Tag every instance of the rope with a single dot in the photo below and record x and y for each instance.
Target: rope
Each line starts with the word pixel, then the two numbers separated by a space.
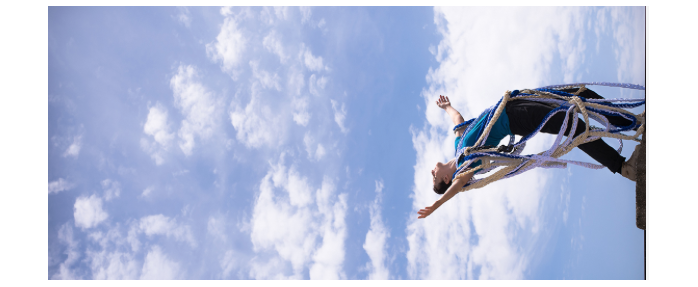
pixel 513 163
pixel 575 85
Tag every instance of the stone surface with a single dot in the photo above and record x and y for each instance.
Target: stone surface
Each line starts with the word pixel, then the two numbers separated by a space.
pixel 640 188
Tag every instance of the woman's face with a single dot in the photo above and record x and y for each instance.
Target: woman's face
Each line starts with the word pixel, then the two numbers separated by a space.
pixel 439 173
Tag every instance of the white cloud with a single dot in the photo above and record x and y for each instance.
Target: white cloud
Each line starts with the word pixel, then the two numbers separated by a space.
pixel 230 261
pixel 113 265
pixel 180 172
pixel 157 126
pixel 264 77
pixel 477 64
pixel 147 191
pixel 571 46
pixel 312 62
pixel 271 269
pixel 299 191
pixel 329 258
pixel 74 148
pixel 280 226
pixel 295 82
pixel 197 104
pixel 88 211
pixel 109 258
pixel 273 44
pixel 340 114
pixel 59 185
pixel 272 100
pixel 565 193
pixel 267 16
pixel 132 237
pixel 65 235
pixel 151 148
pixel 158 266
pixel 257 124
pixel 324 196
pixel 216 227
pixel 226 11
pixel 263 120
pixel 316 151
pixel 306 13
pixel 301 115
pixel 316 85
pixel 272 108
pixel 184 16
pixel 628 31
pixel 375 240
pixel 320 151
pixel 162 225
pixel 112 189
pixel 271 15
pixel 287 227
pixel 281 12
pixel 229 45
pixel 600 27
pixel 111 262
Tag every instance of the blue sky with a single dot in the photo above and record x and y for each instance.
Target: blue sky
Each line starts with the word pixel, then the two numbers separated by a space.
pixel 255 143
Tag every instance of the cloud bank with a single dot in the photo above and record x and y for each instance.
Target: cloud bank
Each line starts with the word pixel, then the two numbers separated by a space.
pixel 257 92
pixel 375 243
pixel 298 227
pixel 196 103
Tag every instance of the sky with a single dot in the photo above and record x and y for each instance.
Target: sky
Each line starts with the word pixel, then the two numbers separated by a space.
pixel 297 143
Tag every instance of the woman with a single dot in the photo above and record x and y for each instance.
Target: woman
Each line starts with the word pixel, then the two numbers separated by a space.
pixel 522 117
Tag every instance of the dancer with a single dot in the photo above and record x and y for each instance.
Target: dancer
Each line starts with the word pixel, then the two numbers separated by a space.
pixel 522 117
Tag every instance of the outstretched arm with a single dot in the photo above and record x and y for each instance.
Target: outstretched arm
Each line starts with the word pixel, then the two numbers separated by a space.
pixel 450 192
pixel 445 104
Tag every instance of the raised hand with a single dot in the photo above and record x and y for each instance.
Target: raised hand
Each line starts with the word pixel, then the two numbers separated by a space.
pixel 424 212
pixel 443 102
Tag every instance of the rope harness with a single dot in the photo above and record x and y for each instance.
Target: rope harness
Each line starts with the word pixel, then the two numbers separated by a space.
pixel 508 157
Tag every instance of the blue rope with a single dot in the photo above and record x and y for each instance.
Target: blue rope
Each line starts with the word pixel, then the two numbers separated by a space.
pixel 463 124
pixel 559 93
pixel 618 85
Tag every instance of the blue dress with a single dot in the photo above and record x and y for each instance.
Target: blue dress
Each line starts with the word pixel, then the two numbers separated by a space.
pixel 499 130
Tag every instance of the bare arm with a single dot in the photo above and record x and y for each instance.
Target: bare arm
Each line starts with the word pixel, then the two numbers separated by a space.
pixel 452 191
pixel 456 117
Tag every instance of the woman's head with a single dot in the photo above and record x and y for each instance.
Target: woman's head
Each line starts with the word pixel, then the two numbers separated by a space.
pixel 441 178
pixel 441 187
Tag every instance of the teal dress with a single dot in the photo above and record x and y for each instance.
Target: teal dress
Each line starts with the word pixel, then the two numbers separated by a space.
pixel 500 130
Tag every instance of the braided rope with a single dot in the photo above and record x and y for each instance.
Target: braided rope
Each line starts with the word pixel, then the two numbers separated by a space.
pixel 572 104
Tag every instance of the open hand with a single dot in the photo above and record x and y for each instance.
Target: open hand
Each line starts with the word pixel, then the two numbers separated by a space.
pixel 424 212
pixel 443 102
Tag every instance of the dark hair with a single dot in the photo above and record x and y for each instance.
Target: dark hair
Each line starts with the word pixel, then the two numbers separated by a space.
pixel 441 186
